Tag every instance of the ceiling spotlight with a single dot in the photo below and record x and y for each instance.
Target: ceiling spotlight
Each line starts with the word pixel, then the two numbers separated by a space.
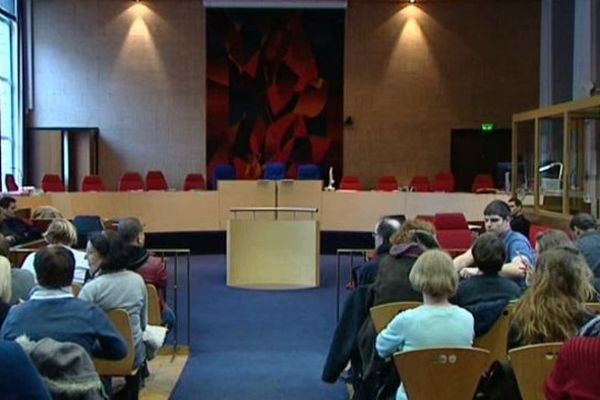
pixel 412 1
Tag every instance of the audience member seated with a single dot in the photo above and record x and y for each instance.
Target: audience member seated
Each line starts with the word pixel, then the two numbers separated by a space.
pixel 551 239
pixel 584 226
pixel 354 337
pixel 46 212
pixel 115 287
pixel 548 239
pixel 519 253
pixel 392 280
pixel 21 281
pixel 436 323
pixel 53 312
pixel 385 228
pixel 5 288
pixel 61 232
pixel 151 268
pixel 489 254
pixel 518 222
pixel 15 229
pixel 553 307
pixel 19 380
pixel 575 374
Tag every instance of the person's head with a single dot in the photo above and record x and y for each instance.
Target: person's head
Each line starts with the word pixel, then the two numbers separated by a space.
pixel 416 231
pixel 131 231
pixel 5 280
pixel 552 239
pixel 489 253
pixel 582 222
pixel 106 251
pixel 54 267
pixel 515 205
pixel 61 231
pixel 46 212
pixel 4 246
pixel 8 206
pixel 434 274
pixel 384 230
pixel 551 309
pixel 496 217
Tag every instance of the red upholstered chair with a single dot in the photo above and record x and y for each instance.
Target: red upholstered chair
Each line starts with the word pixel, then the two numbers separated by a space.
pixel 387 183
pixel 131 181
pixel 350 182
pixel 194 182
pixel 455 241
pixel 11 184
pixel 449 221
pixel 155 180
pixel 420 184
pixel 483 183
pixel 92 183
pixel 52 183
pixel 444 182
pixel 534 232
pixel 452 232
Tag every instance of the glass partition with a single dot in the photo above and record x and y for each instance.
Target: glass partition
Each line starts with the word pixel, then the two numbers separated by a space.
pixel 550 166
pixel 526 161
pixel 556 149
pixel 583 163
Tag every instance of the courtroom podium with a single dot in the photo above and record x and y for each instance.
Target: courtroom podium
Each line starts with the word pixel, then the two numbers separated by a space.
pixel 278 253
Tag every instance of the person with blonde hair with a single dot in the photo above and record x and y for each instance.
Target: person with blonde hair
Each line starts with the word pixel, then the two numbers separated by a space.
pixel 354 337
pixel 21 281
pixel 46 212
pixel 553 308
pixel 437 323
pixel 62 232
pixel 5 288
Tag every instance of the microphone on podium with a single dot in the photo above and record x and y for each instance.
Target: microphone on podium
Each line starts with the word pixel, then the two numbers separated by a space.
pixel 330 187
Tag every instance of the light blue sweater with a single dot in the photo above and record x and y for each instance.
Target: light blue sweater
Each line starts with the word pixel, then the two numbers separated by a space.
pixel 424 327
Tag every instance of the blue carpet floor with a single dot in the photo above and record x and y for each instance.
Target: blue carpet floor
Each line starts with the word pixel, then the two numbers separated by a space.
pixel 252 345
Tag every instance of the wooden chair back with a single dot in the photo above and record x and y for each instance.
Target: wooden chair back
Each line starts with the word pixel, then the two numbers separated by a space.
pixel 154 315
pixel 495 340
pixel 123 367
pixel 532 365
pixel 383 314
pixel 450 373
pixel 593 307
pixel 75 288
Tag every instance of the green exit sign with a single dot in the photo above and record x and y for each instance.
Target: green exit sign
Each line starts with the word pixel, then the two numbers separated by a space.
pixel 487 127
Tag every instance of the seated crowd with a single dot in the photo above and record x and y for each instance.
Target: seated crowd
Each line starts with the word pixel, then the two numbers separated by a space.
pixel 545 290
pixel 39 311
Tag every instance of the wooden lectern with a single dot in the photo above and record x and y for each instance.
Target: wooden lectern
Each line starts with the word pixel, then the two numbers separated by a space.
pixel 273 254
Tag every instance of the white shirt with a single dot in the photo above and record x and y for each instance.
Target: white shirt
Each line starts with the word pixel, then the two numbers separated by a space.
pixel 81 265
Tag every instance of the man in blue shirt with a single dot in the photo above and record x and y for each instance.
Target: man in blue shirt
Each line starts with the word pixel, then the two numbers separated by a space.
pixel 53 312
pixel 584 226
pixel 519 254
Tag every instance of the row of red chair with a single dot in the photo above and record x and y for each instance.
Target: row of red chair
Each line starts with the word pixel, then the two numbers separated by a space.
pixel 130 181
pixel 451 230
pixel 444 182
